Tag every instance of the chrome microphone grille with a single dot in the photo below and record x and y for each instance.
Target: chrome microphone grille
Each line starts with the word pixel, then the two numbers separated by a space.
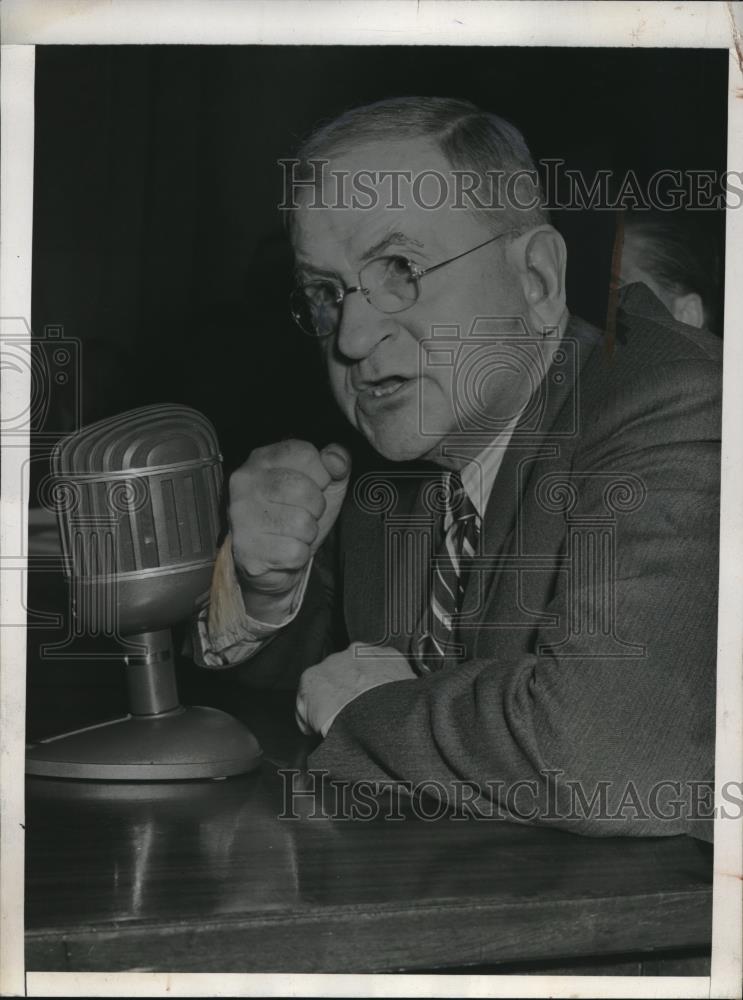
pixel 149 480
pixel 137 500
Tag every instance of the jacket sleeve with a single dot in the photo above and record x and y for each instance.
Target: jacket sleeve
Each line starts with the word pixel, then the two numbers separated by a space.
pixel 596 746
pixel 268 656
pixel 223 633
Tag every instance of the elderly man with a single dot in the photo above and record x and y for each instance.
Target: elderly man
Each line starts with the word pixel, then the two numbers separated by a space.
pixel 522 592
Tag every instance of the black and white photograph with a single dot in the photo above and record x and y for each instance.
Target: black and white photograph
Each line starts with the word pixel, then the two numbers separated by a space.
pixel 371 526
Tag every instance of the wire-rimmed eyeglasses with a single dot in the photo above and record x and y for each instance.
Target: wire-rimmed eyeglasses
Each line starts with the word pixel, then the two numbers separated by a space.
pixel 390 284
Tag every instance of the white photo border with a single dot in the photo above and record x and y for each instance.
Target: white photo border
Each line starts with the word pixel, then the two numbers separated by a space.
pixel 27 23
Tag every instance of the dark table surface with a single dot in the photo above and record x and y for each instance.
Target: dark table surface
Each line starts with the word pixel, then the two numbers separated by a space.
pixel 207 876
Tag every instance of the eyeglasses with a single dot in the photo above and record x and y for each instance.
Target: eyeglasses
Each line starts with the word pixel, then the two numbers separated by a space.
pixel 390 284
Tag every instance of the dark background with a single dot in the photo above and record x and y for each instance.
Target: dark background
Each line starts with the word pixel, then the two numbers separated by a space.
pixel 158 244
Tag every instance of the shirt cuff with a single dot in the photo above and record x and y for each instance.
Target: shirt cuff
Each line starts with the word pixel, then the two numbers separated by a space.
pixel 226 633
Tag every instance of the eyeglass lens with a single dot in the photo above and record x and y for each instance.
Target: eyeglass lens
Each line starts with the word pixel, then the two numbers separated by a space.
pixel 388 284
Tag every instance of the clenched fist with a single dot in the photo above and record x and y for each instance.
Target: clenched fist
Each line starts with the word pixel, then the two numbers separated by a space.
pixel 283 502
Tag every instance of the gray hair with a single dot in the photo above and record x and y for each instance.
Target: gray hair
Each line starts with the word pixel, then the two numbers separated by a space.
pixel 471 139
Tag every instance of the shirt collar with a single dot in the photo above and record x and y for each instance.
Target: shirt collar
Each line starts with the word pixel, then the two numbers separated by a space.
pixel 479 475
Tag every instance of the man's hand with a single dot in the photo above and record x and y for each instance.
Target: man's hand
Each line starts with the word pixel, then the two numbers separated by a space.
pixel 283 502
pixel 330 685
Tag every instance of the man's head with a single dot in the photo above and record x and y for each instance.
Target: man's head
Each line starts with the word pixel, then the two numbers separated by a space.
pixel 394 187
pixel 678 258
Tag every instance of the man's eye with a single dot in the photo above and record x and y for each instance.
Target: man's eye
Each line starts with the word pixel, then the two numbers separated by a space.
pixel 393 272
pixel 398 267
pixel 321 293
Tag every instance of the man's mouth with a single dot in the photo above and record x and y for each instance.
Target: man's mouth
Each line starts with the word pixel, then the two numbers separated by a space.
pixel 386 386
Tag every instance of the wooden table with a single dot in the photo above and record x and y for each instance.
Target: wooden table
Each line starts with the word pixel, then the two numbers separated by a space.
pixel 205 876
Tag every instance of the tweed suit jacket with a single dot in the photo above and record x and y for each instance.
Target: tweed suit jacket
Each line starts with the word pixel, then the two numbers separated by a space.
pixel 589 619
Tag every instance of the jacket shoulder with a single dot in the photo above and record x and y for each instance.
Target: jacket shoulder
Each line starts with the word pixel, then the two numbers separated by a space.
pixel 656 367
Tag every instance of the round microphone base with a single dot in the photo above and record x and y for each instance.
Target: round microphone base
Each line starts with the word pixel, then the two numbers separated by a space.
pixel 183 744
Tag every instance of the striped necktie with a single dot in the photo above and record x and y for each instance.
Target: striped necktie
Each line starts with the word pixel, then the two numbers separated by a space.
pixel 448 579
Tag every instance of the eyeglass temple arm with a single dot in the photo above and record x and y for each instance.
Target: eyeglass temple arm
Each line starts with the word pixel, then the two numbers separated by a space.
pixel 341 292
pixel 451 260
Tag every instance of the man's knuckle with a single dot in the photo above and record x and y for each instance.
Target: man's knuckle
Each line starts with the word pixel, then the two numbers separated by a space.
pixel 295 451
pixel 305 493
pixel 252 565
pixel 238 480
pixel 260 457
pixel 306 526
pixel 303 449
pixel 322 503
pixel 295 553
pixel 275 483
pixel 292 486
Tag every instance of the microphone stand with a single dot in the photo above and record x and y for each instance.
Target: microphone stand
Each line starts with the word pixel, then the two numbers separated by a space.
pixel 136 497
pixel 159 740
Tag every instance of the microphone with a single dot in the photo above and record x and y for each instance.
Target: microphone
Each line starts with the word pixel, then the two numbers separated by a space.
pixel 137 503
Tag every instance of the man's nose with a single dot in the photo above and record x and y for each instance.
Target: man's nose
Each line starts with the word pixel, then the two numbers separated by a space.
pixel 362 327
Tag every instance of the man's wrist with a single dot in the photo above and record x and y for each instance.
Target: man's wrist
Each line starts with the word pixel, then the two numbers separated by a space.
pixel 236 611
pixel 273 609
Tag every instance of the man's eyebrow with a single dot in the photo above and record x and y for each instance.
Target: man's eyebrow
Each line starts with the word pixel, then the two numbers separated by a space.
pixel 391 239
pixel 302 267
pixel 396 238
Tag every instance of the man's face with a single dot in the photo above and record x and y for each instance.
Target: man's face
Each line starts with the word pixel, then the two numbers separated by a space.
pixel 376 364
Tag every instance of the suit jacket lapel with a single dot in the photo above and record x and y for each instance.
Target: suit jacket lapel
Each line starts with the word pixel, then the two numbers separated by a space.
pixel 536 434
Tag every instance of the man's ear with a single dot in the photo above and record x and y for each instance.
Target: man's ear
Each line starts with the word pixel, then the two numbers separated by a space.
pixel 688 309
pixel 540 258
